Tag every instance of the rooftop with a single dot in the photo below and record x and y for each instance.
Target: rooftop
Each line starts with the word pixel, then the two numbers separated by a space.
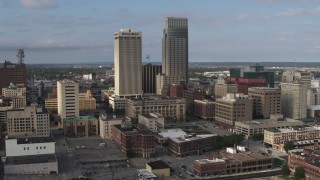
pixel 209 161
pixel 191 138
pixel 158 165
pixel 79 118
pixel 172 133
pixel 245 156
pixel 145 173
pixel 35 140
pixel 294 129
pixel 30 159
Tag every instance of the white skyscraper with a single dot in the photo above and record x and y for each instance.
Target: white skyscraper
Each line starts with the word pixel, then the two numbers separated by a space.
pixel 127 63
pixel 68 98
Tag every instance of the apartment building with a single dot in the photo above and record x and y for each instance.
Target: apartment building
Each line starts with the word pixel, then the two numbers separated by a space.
pixel 106 123
pixel 80 126
pixel 68 99
pixel 17 93
pixel 266 101
pixel 294 100
pixel 232 108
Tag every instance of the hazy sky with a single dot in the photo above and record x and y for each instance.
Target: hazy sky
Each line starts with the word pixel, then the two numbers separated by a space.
pixel 66 31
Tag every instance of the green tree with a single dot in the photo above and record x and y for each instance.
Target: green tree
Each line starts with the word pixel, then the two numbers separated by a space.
pixel 285 171
pixel 257 137
pixel 288 146
pixel 299 173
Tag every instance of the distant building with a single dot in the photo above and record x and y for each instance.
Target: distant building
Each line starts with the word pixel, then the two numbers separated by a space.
pixel 17 93
pixel 86 101
pixel 307 159
pixel 159 168
pixel 250 128
pixel 222 90
pixel 176 90
pixel 29 121
pixel 68 99
pixel 190 95
pixel 52 104
pixel 117 103
pixel 153 121
pixel 149 74
pixel 30 156
pixel 300 135
pixel 12 73
pixel 191 144
pixel 173 109
pixel 294 100
pixel 106 123
pixel 127 63
pixel 134 141
pixel 80 126
pixel 266 101
pixel 293 76
pixel 244 83
pixel 232 108
pixel 5 105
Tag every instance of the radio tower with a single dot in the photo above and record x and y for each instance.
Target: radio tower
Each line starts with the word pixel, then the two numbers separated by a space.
pixel 21 56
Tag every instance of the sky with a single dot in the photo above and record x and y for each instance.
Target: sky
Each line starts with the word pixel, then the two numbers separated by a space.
pixel 74 31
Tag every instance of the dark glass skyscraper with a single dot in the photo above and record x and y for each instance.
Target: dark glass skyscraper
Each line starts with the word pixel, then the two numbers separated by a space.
pixel 175 56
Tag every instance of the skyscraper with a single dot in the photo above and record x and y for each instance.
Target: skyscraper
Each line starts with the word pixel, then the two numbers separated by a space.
pixel 149 73
pixel 68 99
pixel 174 52
pixel 127 63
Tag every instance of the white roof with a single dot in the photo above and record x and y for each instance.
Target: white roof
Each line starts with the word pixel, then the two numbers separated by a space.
pixel 172 133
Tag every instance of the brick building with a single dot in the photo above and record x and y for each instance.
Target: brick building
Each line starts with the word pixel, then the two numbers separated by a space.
pixel 244 83
pixel 204 109
pixel 80 126
pixel 140 142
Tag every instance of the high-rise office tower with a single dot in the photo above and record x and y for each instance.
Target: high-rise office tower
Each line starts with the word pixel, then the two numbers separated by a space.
pixel 294 100
pixel 68 99
pixel 174 52
pixel 149 73
pixel 127 63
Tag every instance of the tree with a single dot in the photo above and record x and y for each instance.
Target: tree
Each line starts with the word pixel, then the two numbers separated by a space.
pixel 285 171
pixel 257 137
pixel 299 173
pixel 288 146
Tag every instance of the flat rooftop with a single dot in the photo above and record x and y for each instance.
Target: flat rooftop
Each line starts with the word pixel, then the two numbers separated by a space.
pixel 268 121
pixel 158 165
pixel 246 156
pixel 191 138
pixel 294 129
pixel 209 161
pixel 34 159
pixel 172 133
pixel 79 118
pixel 145 173
pixel 31 140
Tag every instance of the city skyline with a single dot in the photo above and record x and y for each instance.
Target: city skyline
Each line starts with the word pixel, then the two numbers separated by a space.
pixel 56 31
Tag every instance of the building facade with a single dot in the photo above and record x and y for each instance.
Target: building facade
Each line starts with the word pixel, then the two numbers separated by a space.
pixel 266 101
pixel 80 126
pixel 17 93
pixel 173 109
pixel 68 99
pixel 134 141
pixel 294 100
pixel 191 144
pixel 204 109
pixel 175 52
pixel 127 63
pixel 86 101
pixel 106 123
pixel 153 121
pixel 29 121
pixel 232 108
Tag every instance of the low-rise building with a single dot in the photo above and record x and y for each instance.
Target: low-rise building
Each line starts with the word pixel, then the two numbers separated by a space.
pixel 34 155
pixel 86 101
pixel 308 159
pixel 159 168
pixel 52 104
pixel 107 122
pixel 28 121
pixel 173 109
pixel 300 135
pixel 153 121
pixel 233 161
pixel 249 128
pixel 191 144
pixel 17 94
pixel 134 141
pixel 80 126
pixel 144 174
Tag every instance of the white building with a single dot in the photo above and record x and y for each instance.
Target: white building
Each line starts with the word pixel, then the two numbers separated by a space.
pixel 153 121
pixel 128 63
pixel 106 123
pixel 117 103
pixel 17 94
pixel 30 156
pixel 68 98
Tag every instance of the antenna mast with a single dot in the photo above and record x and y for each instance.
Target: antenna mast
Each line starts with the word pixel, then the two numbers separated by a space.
pixel 21 56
